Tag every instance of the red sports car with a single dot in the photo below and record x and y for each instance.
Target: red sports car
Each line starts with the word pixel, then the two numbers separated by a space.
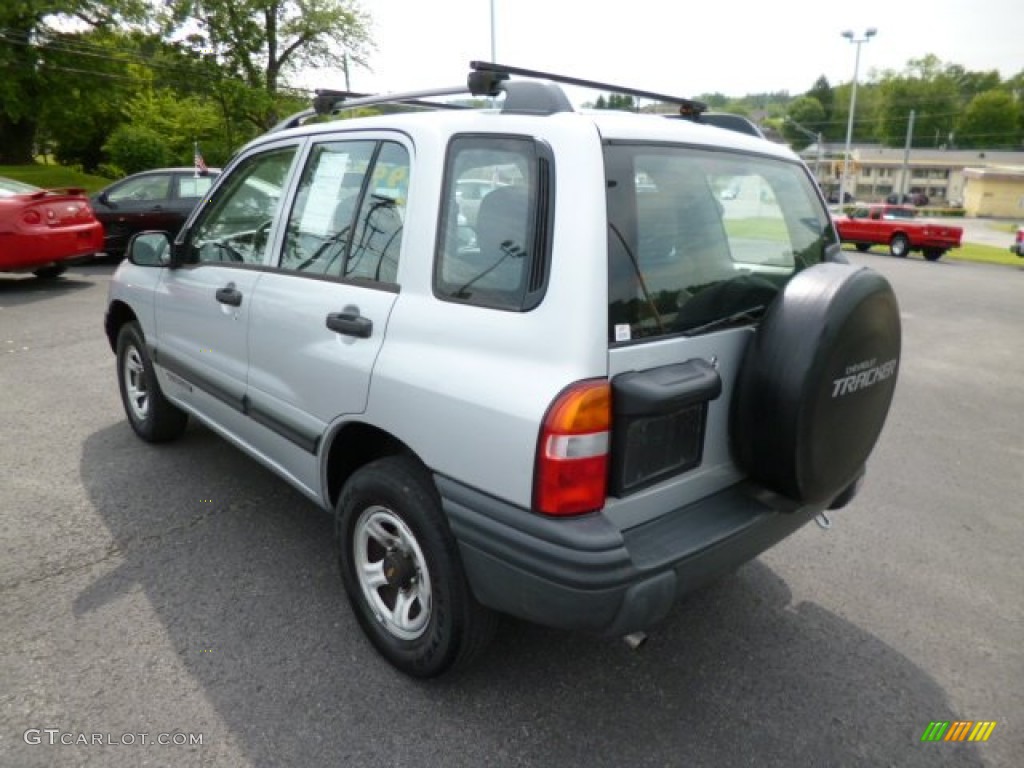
pixel 40 229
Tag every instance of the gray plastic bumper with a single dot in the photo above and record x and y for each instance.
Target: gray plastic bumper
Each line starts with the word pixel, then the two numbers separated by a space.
pixel 585 574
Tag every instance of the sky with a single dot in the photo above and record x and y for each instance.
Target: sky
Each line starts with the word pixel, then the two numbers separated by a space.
pixel 734 47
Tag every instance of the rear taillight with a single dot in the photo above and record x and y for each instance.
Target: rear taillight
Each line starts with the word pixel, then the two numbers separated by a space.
pixel 572 451
pixel 31 217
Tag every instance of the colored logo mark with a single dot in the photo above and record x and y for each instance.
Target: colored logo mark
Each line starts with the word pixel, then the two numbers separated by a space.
pixel 958 730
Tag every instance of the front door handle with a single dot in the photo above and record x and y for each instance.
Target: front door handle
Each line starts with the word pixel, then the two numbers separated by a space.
pixel 229 295
pixel 350 323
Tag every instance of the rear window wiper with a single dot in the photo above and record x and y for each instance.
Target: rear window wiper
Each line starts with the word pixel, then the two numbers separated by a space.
pixel 750 313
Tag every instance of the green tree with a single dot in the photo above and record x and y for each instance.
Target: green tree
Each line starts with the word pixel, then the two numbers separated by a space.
pixel 970 84
pixel 807 112
pixel 260 42
pixel 865 114
pixel 825 96
pixel 990 120
pixel 29 43
pixel 134 149
pixel 87 79
pixel 930 93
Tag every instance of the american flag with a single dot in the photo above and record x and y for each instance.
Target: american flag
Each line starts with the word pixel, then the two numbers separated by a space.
pixel 200 164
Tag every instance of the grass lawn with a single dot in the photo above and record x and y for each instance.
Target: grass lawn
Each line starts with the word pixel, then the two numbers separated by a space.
pixel 51 176
pixel 988 254
pixel 983 254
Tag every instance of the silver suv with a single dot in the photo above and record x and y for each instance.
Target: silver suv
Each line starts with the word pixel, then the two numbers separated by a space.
pixel 640 361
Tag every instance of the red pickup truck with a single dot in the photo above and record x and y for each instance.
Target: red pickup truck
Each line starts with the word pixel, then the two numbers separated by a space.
pixel 898 227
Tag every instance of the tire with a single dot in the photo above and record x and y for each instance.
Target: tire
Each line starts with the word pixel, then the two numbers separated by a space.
pixel 49 273
pixel 815 386
pixel 899 246
pixel 402 572
pixel 151 415
pixel 933 254
pixel 863 247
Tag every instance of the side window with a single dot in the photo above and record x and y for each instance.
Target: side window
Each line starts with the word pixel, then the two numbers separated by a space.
pixel 142 188
pixel 194 186
pixel 235 225
pixel 349 210
pixel 377 237
pixel 493 240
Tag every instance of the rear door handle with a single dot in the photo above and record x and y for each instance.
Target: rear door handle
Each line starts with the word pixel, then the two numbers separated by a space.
pixel 229 295
pixel 350 323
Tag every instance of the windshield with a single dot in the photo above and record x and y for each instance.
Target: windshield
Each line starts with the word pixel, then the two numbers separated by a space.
pixel 701 239
pixel 10 188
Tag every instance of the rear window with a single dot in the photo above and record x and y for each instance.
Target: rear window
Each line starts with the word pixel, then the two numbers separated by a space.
pixel 700 239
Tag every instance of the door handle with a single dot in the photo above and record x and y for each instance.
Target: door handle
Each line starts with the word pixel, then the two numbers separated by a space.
pixel 229 295
pixel 350 324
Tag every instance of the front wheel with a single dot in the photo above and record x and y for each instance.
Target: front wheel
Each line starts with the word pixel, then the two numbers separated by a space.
pixel 863 247
pixel 899 246
pixel 402 572
pixel 933 254
pixel 151 415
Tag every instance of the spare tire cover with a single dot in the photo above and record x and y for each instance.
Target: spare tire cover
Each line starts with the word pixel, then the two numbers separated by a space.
pixel 816 383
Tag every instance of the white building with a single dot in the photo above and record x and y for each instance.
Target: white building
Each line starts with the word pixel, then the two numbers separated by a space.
pixel 877 171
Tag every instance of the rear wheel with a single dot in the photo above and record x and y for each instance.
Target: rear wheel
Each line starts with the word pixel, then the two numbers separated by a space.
pixel 933 254
pixel 899 246
pixel 49 273
pixel 863 247
pixel 402 572
pixel 151 415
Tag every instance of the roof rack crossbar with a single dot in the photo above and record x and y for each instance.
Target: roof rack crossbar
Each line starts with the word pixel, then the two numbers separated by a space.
pixel 325 104
pixel 691 106
pixel 328 101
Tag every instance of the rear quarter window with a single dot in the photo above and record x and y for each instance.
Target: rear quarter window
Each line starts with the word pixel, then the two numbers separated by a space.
pixel 494 235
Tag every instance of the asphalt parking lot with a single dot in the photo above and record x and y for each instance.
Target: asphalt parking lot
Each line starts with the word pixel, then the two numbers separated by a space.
pixel 183 591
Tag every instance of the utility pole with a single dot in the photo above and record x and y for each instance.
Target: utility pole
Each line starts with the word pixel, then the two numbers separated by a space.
pixel 906 158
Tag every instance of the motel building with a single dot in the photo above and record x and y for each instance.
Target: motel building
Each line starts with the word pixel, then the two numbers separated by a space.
pixel 984 182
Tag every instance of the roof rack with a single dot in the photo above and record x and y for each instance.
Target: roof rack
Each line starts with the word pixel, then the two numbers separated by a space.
pixel 328 102
pixel 489 78
pixel 521 97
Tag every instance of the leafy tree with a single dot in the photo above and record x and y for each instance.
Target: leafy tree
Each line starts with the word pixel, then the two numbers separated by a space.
pixel 825 96
pixel 807 112
pixel 933 97
pixel 970 84
pixel 868 97
pixel 990 120
pixel 135 149
pixel 260 42
pixel 619 101
pixel 29 31
pixel 86 78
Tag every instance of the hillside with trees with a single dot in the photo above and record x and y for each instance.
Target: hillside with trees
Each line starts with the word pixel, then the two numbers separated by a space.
pixel 112 86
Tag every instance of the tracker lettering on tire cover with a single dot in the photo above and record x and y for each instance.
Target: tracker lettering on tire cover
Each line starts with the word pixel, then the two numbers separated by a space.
pixel 817 381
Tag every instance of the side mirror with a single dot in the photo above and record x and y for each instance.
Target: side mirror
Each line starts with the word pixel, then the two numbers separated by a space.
pixel 104 198
pixel 150 249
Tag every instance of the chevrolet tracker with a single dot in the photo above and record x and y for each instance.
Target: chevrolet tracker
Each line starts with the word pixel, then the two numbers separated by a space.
pixel 532 359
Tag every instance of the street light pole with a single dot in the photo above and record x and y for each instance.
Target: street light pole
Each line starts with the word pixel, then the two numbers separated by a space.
pixel 848 34
pixel 494 52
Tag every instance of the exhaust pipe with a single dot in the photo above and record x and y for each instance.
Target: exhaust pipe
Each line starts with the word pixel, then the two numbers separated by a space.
pixel 635 639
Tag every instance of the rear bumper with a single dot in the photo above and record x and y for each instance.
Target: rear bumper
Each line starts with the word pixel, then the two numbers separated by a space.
pixel 943 243
pixel 29 251
pixel 585 574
